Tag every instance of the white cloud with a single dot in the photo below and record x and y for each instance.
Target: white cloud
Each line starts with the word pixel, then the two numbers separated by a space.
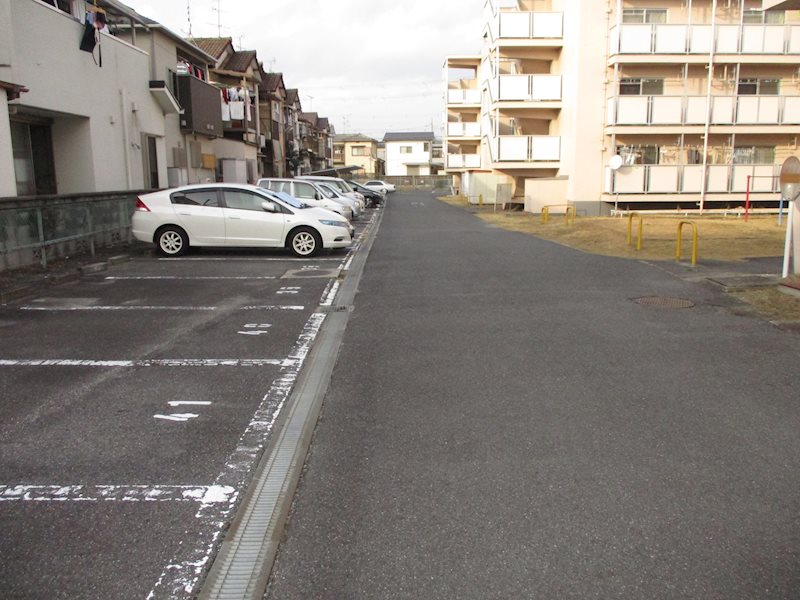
pixel 371 65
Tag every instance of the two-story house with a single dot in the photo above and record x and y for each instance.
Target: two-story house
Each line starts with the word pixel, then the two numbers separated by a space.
pixel 292 110
pixel 272 98
pixel 408 153
pixel 238 76
pixel 357 150
pixel 73 120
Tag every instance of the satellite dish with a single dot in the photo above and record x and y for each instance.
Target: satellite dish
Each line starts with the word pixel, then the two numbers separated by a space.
pixel 790 178
pixel 616 162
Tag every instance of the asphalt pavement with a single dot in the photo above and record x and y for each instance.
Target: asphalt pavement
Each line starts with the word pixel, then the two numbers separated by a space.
pixel 509 419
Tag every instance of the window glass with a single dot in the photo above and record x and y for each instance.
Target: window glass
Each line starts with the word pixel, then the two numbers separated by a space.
pixel 196 198
pixel 750 87
pixel 747 87
pixel 304 190
pixel 644 15
pixel 768 87
pixel 641 87
pixel 243 200
pixel 406 149
pixel 359 150
pixel 754 155
pixel 652 87
pixel 630 87
pixel 773 17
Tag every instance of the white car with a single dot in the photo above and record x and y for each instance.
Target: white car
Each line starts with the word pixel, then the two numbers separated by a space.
pixel 307 192
pixel 380 186
pixel 339 184
pixel 235 215
pixel 334 194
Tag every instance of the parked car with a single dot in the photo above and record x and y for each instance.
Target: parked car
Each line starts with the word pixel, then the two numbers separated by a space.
pixel 377 184
pixel 235 215
pixel 372 197
pixel 307 192
pixel 339 184
pixel 334 194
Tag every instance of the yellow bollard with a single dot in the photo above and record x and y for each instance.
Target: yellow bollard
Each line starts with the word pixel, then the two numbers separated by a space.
pixel 630 228
pixel 545 217
pixel 480 200
pixel 694 241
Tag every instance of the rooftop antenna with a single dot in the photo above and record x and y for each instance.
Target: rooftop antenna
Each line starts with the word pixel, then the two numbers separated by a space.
pixel 310 104
pixel 218 10
pixel 189 16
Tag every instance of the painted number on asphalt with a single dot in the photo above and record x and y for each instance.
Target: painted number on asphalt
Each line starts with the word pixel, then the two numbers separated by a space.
pixel 255 329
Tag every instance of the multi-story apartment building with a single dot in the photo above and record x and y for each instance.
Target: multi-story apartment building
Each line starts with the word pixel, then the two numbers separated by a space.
pixel 641 103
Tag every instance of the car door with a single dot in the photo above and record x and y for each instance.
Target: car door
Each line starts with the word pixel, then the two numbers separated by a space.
pixel 248 224
pixel 199 212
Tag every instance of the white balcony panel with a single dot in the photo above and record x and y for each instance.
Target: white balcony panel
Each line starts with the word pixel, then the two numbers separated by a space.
pixel 670 39
pixel 762 178
pixel 513 147
pixel 632 110
pixel 700 39
pixel 747 109
pixel 696 110
pixel 666 110
pixel 635 39
pixel 454 96
pixel 773 39
pixel 611 111
pixel 794 39
pixel 472 96
pixel 515 25
pixel 514 87
pixel 768 110
pixel 608 181
pixel 472 161
pixel 728 39
pixel 692 179
pixel 791 110
pixel 753 39
pixel 663 179
pixel 722 109
pixel 717 178
pixel 613 41
pixel 464 129
pixel 629 180
pixel 548 25
pixel 546 148
pixel 546 87
pixel 463 161
pixel 464 96
pixel 740 173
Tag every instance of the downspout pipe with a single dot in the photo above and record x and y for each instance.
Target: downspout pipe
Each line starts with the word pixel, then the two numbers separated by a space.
pixel 707 127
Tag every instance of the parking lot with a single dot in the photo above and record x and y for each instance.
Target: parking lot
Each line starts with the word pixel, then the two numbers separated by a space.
pixel 136 402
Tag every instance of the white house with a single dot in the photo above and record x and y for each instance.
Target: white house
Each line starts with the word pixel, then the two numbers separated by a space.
pixel 408 153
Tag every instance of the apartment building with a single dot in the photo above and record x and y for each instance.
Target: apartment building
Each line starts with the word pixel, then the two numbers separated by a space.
pixel 634 103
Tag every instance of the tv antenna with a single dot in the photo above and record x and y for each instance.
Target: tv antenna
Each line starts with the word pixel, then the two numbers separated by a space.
pixel 219 11
pixel 310 104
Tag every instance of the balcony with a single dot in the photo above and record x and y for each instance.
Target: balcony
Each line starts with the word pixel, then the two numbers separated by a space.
pixel 530 25
pixel 697 39
pixel 688 179
pixel 692 110
pixel 529 88
pixel 528 148
pixel 464 130
pixel 201 106
pixel 463 161
pixel 460 96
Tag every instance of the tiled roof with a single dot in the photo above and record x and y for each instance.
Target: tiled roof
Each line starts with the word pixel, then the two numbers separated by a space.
pixel 409 136
pixel 354 137
pixel 311 117
pixel 213 46
pixel 240 61
pixel 292 95
pixel 272 82
pixel 323 123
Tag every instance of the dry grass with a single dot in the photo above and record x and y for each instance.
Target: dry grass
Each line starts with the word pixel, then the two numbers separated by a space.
pixel 719 238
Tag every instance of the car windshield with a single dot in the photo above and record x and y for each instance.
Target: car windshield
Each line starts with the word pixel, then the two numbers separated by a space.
pixel 344 186
pixel 290 200
pixel 329 190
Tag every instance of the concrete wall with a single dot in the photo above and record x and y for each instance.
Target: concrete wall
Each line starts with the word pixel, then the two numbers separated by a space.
pixel 8 185
pixel 66 85
pixel 545 191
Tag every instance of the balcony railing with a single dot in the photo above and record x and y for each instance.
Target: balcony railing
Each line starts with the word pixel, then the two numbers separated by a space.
pixel 688 179
pixel 463 129
pixel 201 106
pixel 528 148
pixel 530 25
pixel 692 110
pixel 463 96
pixel 529 88
pixel 697 39
pixel 463 161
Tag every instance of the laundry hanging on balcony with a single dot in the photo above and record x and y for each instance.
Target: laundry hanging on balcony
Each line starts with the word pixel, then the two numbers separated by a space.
pixel 236 104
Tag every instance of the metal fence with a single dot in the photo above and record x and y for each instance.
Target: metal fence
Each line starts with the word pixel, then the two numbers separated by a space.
pixel 37 229
pixel 415 182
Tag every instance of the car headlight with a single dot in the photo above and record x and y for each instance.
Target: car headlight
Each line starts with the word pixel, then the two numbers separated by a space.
pixel 333 223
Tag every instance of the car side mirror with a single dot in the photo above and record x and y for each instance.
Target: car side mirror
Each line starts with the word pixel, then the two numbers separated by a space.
pixel 317 196
pixel 268 206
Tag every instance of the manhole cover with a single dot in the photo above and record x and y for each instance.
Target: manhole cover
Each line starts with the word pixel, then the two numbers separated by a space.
pixel 664 302
pixel 308 273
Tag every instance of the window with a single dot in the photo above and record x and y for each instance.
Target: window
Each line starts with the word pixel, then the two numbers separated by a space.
pixel 32 148
pixel 764 87
pixel 629 86
pixel 426 147
pixel 772 17
pixel 243 200
pixel 754 155
pixel 406 149
pixel 359 151
pixel 644 15
pixel 196 198
pixel 639 155
pixel 304 190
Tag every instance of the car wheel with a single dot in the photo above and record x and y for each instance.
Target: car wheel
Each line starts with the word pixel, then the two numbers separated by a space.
pixel 172 241
pixel 304 241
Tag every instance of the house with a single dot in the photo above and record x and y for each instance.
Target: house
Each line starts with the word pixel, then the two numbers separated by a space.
pixel 357 150
pixel 238 75
pixel 74 121
pixel 292 109
pixel 667 104
pixel 316 134
pixel 408 153
pixel 191 105
pixel 272 98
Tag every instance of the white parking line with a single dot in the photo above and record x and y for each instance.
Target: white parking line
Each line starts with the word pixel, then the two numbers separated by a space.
pixel 163 362
pixel 171 277
pixel 182 574
pixel 121 308
pixel 330 293
pixel 240 258
pixel 204 494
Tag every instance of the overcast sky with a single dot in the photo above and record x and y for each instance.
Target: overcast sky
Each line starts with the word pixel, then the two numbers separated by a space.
pixel 371 66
